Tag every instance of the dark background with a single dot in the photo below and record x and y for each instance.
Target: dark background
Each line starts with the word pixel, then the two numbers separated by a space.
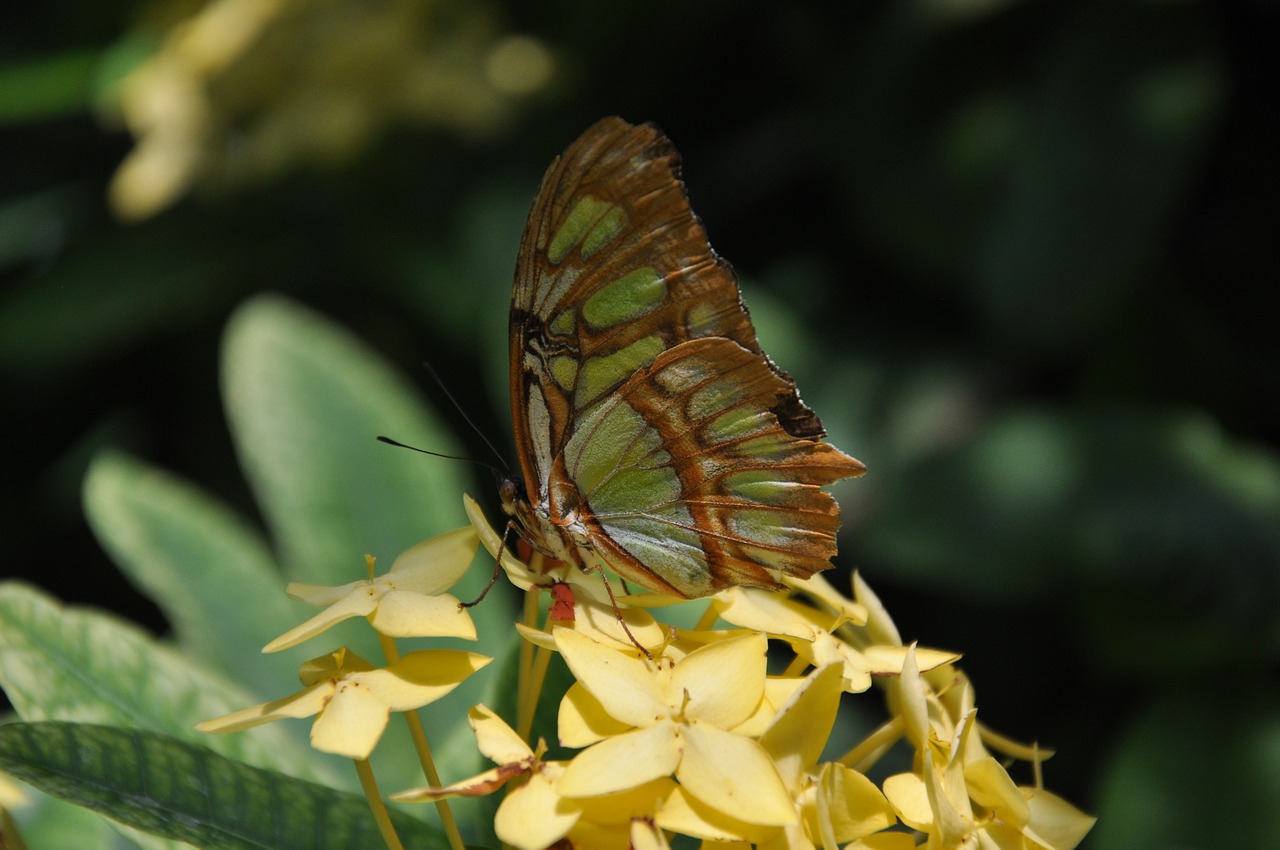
pixel 1014 254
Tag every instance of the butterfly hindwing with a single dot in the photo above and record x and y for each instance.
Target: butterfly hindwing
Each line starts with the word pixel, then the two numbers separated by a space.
pixel 693 483
pixel 633 361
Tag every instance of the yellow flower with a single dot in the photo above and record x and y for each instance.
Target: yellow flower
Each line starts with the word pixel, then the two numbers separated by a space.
pixel 834 804
pixel 407 601
pixel 534 815
pixel 959 795
pixel 242 90
pixel 812 633
pixel 354 701
pixel 643 720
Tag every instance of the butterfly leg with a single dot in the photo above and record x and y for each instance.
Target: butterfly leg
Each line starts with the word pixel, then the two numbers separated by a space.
pixel 617 612
pixel 497 565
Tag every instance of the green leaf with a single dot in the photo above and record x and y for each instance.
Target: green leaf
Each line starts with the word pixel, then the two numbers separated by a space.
pixel 1040 499
pixel 46 87
pixel 64 663
pixel 210 573
pixel 1039 193
pixel 1198 768
pixel 306 401
pixel 188 793
pixel 50 822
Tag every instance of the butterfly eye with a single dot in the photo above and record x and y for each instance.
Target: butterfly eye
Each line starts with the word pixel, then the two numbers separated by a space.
pixel 511 492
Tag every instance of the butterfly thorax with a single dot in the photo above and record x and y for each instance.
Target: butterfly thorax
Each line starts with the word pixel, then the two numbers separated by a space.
pixel 553 527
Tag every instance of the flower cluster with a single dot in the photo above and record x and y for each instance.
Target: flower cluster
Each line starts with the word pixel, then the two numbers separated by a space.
pixel 240 90
pixel 683 731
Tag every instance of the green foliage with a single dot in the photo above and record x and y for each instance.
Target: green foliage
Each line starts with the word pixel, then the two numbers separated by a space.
pixel 187 793
pixel 1014 255
pixel 221 587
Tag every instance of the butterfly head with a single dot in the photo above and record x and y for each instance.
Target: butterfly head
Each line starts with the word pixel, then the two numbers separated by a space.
pixel 512 493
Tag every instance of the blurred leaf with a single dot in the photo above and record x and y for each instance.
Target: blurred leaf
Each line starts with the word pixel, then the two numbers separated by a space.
pixel 187 793
pixel 1041 184
pixel 63 663
pixel 305 402
pixel 208 571
pixel 53 823
pixel 110 292
pixel 46 86
pixel 1039 500
pixel 1199 768
pixel 34 227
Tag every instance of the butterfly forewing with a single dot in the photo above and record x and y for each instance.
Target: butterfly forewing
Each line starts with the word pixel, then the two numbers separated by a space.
pixel 686 466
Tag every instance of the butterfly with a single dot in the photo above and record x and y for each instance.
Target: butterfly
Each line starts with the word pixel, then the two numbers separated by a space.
pixel 655 438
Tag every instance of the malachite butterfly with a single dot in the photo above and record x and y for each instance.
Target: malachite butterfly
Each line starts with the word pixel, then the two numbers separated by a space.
pixel 655 438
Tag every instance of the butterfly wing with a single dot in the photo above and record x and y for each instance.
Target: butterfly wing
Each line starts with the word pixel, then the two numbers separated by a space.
pixel 615 271
pixel 693 484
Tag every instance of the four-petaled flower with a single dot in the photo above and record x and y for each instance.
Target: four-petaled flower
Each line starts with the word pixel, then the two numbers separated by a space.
pixel 409 600
pixel 354 700
pixel 642 720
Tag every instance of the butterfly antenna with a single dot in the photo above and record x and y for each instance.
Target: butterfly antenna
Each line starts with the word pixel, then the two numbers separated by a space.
pixel 463 413
pixel 400 445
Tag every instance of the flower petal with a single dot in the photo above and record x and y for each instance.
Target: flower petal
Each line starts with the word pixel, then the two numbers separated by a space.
pixel 304 703
pixel 495 739
pixel 687 815
pixel 884 660
pixel 775 613
pixel 1055 822
pixel 880 627
pixel 322 595
pixel 989 785
pixel 433 566
pixel 517 571
pixel 817 587
pixel 534 816
pixel 405 613
pixel 800 730
pixel 628 687
pixel 358 601
pixel 621 808
pixel 421 677
pixel 850 806
pixel 582 720
pixel 909 797
pixel 599 620
pixel 645 836
pixel 623 762
pixel 351 723
pixel 734 775
pixel 480 785
pixel 911 703
pixel 724 680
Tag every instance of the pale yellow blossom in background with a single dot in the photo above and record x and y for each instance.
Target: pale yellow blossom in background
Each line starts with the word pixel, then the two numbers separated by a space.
pixel 240 91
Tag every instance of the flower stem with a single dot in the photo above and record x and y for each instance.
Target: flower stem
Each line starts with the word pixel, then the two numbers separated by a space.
pixel 525 678
pixel 708 618
pixel 872 747
pixel 379 808
pixel 537 676
pixel 419 736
